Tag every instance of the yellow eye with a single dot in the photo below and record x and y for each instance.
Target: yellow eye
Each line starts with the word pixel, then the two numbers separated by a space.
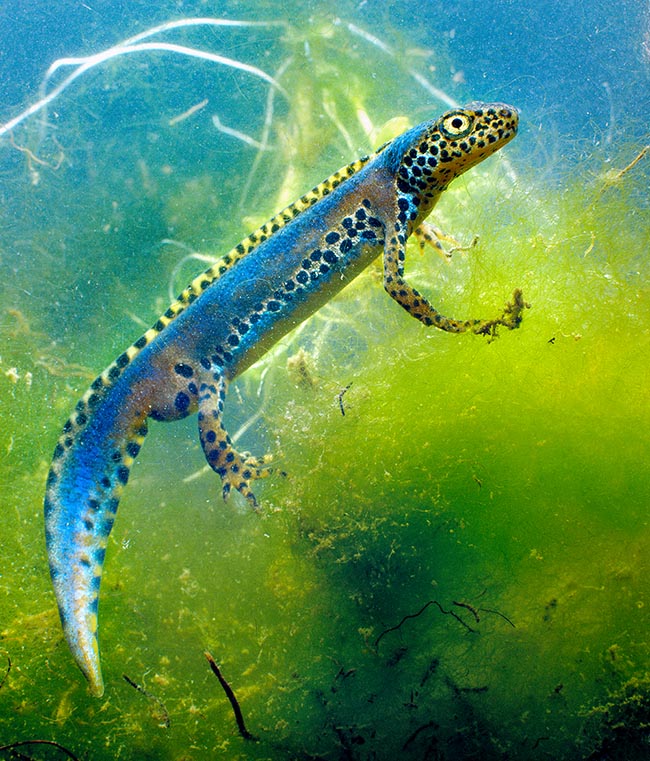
pixel 456 124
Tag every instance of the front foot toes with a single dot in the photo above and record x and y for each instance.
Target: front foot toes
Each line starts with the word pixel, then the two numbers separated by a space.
pixel 240 471
pixel 513 313
pixel 510 319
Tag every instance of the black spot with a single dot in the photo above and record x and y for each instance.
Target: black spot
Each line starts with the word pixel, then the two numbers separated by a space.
pixel 346 245
pixel 332 237
pixel 315 256
pixel 114 373
pixel 122 361
pixel 182 401
pixel 205 363
pixel 274 306
pixel 289 286
pixel 122 474
pixel 105 482
pixel 185 370
pixel 330 257
pixel 140 343
pixel 95 385
pixel 348 223
pixel 58 451
pixel 211 437
pixel 233 340
pixel 132 448
pixel 360 214
pixel 302 277
pixel 81 419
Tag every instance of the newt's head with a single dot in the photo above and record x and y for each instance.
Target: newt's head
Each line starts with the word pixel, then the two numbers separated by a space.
pixel 432 155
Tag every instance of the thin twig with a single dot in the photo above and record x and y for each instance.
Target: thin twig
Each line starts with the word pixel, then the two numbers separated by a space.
pixel 164 713
pixel 21 743
pixel 419 613
pixel 239 718
pixel 4 678
pixel 429 725
pixel 497 613
pixel 340 398
pixel 468 607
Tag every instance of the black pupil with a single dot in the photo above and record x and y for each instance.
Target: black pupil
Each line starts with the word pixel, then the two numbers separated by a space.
pixel 457 123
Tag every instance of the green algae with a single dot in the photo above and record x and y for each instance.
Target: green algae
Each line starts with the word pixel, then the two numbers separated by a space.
pixel 455 567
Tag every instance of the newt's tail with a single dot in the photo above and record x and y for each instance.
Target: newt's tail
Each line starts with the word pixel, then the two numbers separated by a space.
pixel 89 470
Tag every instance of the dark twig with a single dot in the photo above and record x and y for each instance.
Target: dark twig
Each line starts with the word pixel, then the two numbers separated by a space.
pixel 239 718
pixel 428 725
pixel 496 613
pixel 164 714
pixel 22 743
pixel 4 678
pixel 468 607
pixel 419 613
pixel 340 398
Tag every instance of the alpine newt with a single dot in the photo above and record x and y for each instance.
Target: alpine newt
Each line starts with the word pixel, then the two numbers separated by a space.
pixel 233 313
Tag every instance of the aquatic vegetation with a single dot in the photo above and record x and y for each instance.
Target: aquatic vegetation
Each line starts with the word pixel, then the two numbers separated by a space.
pixel 505 481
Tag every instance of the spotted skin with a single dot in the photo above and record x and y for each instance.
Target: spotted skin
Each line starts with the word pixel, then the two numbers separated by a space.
pixel 231 315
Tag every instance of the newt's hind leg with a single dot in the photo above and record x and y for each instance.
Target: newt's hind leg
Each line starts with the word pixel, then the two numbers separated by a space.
pixel 235 469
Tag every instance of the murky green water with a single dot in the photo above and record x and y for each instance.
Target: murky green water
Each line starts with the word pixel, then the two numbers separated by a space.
pixel 455 563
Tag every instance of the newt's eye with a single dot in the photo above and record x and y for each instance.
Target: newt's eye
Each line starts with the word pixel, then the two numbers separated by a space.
pixel 456 124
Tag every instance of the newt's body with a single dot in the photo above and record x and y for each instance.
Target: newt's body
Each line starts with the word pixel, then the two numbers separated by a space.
pixel 230 316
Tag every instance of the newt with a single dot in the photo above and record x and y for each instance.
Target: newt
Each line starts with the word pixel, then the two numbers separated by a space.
pixel 228 317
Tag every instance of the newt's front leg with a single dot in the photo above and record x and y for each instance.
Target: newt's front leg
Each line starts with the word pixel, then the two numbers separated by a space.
pixel 419 307
pixel 235 469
